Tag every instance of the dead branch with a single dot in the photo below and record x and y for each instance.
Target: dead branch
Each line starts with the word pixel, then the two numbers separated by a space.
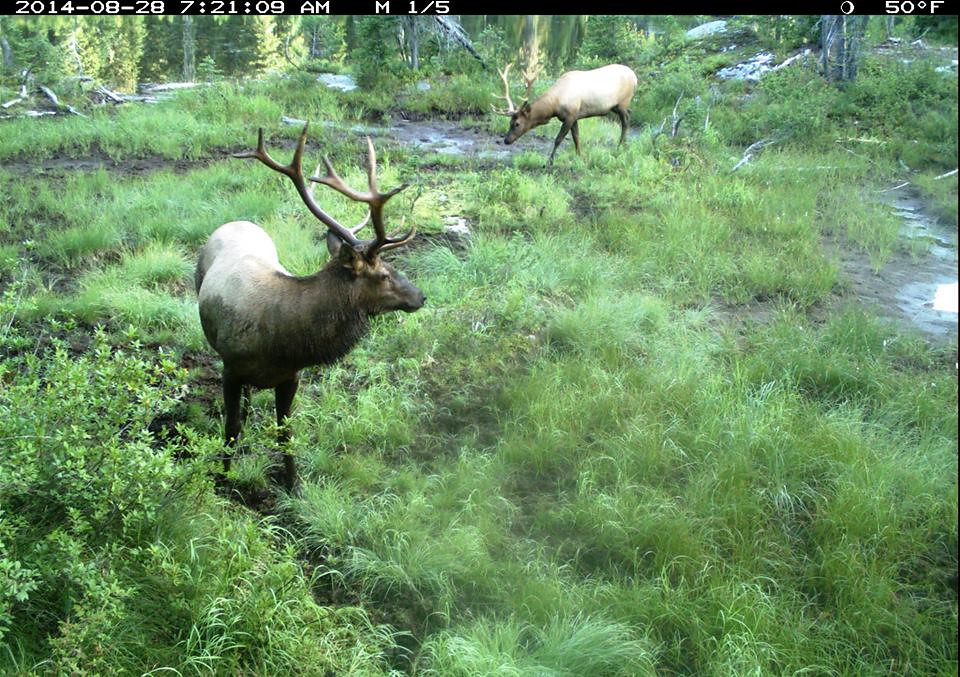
pixel 754 149
pixel 455 32
pixel 793 58
pixel 47 92
pixel 657 131
pixel 677 119
pixel 25 78
pixel 943 176
pixel 902 185
pixel 109 94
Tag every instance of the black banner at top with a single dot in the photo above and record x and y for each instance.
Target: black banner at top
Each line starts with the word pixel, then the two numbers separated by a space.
pixel 454 7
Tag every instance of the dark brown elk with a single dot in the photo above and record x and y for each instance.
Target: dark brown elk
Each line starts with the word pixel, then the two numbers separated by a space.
pixel 268 324
pixel 574 96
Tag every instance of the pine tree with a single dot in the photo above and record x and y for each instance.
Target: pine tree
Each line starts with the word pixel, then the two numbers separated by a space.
pixel 266 50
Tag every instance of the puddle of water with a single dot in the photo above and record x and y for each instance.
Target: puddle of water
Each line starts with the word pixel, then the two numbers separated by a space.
pixel 447 138
pixel 343 83
pixel 929 298
pixel 945 300
pixel 440 143
pixel 919 226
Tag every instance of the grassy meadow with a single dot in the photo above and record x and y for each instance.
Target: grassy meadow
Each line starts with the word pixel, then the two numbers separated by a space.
pixel 641 427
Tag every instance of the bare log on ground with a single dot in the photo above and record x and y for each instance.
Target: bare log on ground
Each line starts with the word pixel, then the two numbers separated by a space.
pixel 47 92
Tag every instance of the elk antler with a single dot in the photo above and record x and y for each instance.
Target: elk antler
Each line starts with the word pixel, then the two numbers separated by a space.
pixel 357 228
pixel 375 199
pixel 530 75
pixel 511 109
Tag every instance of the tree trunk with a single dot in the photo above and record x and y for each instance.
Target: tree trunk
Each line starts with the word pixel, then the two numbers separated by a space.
pixel 840 39
pixel 857 30
pixel 413 37
pixel 7 52
pixel 455 32
pixel 189 49
pixel 840 43
pixel 827 37
pixel 410 41
pixel 531 44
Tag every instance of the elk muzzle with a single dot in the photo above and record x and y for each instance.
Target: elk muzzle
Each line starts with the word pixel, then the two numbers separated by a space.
pixel 413 298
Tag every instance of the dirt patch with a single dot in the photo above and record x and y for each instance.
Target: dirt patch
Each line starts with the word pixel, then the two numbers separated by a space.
pixel 445 137
pixel 98 160
pixel 914 285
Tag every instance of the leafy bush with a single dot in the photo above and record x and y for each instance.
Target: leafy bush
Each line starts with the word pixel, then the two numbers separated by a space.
pixel 493 46
pixel 83 480
pixel 114 559
pixel 792 102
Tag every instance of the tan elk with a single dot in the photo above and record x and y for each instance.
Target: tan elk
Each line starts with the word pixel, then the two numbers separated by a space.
pixel 574 96
pixel 268 324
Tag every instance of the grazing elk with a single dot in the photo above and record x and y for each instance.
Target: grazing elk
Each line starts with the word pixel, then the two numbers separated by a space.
pixel 574 96
pixel 268 324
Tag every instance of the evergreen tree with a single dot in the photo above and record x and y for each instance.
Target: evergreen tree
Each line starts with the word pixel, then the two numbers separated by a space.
pixel 265 50
pixel 161 55
pixel 325 37
pixel 37 45
pixel 109 49
pixel 377 55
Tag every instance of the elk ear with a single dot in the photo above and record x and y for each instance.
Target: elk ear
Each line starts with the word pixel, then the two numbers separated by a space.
pixel 334 243
pixel 525 107
pixel 348 257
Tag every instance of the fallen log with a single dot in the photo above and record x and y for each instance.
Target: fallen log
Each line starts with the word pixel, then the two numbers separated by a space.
pixel 47 92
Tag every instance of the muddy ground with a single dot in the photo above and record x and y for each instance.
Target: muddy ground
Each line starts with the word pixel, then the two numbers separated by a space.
pixel 918 284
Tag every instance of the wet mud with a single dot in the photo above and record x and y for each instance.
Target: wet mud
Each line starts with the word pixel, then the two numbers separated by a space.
pixel 918 284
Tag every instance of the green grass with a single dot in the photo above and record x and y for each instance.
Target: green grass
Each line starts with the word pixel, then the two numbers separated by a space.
pixel 570 462
pixel 191 124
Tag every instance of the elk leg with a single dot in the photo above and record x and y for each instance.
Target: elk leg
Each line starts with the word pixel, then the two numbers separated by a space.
pixel 284 393
pixel 245 396
pixel 232 395
pixel 624 121
pixel 575 133
pixel 564 128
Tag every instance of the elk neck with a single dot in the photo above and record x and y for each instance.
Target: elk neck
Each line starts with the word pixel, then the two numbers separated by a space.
pixel 322 318
pixel 543 109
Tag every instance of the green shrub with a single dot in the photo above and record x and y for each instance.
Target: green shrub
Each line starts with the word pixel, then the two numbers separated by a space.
pixel 115 559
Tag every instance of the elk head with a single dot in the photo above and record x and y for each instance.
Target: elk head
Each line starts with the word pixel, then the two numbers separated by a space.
pixel 383 289
pixel 520 119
